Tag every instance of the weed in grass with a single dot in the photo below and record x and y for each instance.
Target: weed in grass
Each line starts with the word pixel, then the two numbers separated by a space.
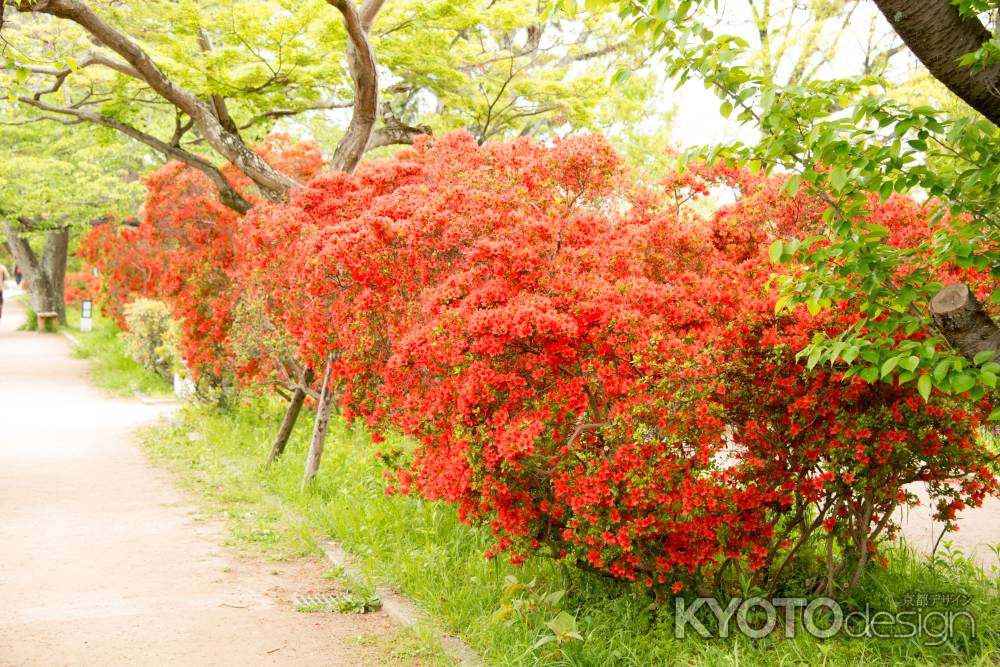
pixel 345 604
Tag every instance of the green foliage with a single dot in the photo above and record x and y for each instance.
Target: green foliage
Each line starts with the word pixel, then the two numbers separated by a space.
pixel 498 69
pixel 73 176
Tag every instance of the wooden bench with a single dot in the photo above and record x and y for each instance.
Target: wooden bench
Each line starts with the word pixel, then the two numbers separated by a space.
pixel 45 318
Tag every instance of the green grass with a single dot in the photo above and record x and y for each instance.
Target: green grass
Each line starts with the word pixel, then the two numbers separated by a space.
pixel 113 370
pixel 422 549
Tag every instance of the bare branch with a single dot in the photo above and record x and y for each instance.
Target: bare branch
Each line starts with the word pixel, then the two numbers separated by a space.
pixel 43 119
pixel 282 113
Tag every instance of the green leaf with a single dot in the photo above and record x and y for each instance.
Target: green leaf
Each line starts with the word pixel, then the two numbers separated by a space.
pixel 962 382
pixel 924 387
pixel 563 626
pixel 983 357
pixel 775 251
pixel 869 374
pixel 888 366
pixel 838 178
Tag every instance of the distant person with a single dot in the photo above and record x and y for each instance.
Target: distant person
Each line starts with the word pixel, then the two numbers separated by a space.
pixel 4 277
pixel 17 275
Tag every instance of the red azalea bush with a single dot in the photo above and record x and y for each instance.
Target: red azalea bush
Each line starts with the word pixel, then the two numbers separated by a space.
pixel 80 286
pixel 588 366
pixel 596 372
pixel 129 261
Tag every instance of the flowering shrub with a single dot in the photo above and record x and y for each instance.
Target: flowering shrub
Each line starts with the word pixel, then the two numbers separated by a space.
pixel 183 253
pixel 595 371
pixel 129 262
pixel 590 367
pixel 152 337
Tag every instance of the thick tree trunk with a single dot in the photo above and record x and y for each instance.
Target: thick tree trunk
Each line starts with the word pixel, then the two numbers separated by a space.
pixel 938 35
pixel 291 416
pixel 46 273
pixel 963 322
pixel 323 410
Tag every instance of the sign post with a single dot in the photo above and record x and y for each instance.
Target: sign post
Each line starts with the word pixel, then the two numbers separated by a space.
pixel 86 316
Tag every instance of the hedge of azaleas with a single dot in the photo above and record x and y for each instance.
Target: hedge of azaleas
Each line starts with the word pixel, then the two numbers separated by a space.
pixel 587 365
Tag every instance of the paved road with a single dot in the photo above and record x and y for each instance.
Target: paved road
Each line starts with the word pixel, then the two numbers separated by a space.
pixel 103 561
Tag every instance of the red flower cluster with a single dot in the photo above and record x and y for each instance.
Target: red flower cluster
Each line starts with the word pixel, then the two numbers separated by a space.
pixel 80 286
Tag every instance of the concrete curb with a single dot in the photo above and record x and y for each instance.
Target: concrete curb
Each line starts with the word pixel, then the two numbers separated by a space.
pixel 73 339
pixel 399 608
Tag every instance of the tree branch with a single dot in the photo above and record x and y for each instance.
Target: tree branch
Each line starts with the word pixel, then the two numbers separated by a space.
pixel 361 59
pixel 227 194
pixel 394 134
pixel 272 183
pixel 963 321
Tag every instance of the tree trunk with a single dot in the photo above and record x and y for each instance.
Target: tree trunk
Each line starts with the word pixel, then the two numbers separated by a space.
pixel 963 322
pixel 364 74
pixel 291 416
pixel 323 410
pixel 46 274
pixel 939 35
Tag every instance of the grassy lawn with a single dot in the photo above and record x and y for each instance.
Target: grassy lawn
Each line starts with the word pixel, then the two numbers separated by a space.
pixel 504 612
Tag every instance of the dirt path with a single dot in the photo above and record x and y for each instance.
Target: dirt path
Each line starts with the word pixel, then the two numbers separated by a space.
pixel 104 562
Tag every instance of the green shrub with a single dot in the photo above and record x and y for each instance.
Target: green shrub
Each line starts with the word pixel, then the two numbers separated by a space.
pixel 152 337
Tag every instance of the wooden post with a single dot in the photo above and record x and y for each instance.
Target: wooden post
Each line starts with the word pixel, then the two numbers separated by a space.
pixel 322 422
pixel 291 416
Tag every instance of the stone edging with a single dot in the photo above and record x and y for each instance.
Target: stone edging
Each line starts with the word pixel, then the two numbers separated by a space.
pixel 399 608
